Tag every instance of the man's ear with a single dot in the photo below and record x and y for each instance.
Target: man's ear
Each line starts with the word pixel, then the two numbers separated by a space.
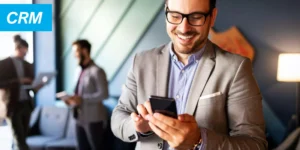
pixel 213 17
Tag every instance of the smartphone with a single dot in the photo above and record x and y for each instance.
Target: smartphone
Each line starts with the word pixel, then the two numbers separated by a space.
pixel 163 105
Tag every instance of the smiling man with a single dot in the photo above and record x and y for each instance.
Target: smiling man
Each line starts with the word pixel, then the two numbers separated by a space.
pixel 217 98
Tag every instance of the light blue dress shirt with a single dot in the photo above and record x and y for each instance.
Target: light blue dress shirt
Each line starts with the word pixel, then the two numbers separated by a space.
pixel 180 79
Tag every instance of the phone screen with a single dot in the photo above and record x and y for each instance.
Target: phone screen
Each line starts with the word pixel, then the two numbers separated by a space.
pixel 163 105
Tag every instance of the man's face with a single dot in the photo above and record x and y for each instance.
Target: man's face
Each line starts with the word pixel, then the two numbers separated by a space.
pixel 22 51
pixel 187 38
pixel 78 52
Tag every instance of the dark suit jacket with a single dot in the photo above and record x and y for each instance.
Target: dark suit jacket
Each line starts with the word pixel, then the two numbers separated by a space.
pixel 9 80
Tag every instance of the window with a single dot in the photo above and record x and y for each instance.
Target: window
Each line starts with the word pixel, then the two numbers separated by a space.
pixel 8 46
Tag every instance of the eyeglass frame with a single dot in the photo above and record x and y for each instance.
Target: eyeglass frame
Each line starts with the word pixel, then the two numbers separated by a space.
pixel 187 16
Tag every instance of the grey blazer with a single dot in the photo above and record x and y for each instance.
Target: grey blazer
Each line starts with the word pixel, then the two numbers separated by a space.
pixel 93 89
pixel 224 98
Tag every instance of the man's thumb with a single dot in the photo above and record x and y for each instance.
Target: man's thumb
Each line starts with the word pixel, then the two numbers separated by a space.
pixel 186 118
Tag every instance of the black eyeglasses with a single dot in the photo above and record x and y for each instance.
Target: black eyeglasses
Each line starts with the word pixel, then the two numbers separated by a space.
pixel 194 19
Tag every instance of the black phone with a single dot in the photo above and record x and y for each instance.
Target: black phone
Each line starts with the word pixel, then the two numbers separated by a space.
pixel 163 105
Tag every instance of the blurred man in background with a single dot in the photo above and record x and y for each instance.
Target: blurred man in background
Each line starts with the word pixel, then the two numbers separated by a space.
pixel 17 72
pixel 91 89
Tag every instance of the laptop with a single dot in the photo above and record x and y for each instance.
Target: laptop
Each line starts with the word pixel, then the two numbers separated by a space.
pixel 42 78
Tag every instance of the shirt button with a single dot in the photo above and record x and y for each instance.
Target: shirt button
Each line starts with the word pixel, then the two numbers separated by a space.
pixel 182 71
pixel 177 96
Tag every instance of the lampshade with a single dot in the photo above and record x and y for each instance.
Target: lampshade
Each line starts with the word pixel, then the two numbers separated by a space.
pixel 289 67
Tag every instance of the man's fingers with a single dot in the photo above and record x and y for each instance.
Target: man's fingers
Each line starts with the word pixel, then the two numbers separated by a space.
pixel 135 117
pixel 141 125
pixel 142 110
pixel 186 118
pixel 160 132
pixel 147 105
pixel 67 102
pixel 167 120
pixel 161 125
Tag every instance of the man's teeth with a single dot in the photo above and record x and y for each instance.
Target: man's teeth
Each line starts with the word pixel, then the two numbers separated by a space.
pixel 184 37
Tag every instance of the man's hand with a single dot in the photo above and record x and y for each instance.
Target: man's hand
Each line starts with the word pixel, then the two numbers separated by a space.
pixel 180 134
pixel 141 124
pixel 25 81
pixel 67 101
pixel 36 89
pixel 74 100
pixel 4 98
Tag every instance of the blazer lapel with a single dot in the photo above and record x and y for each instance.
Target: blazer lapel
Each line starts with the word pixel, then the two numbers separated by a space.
pixel 12 67
pixel 202 74
pixel 162 72
pixel 82 83
pixel 26 69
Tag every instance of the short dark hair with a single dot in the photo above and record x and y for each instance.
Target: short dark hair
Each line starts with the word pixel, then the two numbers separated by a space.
pixel 212 4
pixel 19 42
pixel 83 44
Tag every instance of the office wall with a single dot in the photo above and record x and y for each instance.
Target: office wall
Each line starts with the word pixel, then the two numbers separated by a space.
pixel 272 27
pixel 113 27
pixel 155 36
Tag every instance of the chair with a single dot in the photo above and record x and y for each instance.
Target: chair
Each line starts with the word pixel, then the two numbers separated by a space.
pixel 51 126
pixel 69 142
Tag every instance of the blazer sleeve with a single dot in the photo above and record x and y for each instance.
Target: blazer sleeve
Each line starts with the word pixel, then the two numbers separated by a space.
pixel 101 86
pixel 9 77
pixel 9 80
pixel 121 122
pixel 245 115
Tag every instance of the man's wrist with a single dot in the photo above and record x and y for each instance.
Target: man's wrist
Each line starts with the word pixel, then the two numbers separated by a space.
pixel 203 143
pixel 197 146
pixel 145 134
pixel 198 143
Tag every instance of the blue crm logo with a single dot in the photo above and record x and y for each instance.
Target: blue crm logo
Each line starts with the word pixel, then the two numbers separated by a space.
pixel 25 17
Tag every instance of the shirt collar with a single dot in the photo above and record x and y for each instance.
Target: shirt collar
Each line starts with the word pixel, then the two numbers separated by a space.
pixel 87 65
pixel 194 57
pixel 17 58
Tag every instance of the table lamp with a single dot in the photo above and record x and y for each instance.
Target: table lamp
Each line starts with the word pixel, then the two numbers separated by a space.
pixel 289 71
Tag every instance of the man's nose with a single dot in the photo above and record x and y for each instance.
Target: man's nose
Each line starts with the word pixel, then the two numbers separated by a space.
pixel 184 26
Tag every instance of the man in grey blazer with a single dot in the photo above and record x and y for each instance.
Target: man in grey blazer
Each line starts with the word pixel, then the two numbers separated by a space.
pixel 217 98
pixel 90 91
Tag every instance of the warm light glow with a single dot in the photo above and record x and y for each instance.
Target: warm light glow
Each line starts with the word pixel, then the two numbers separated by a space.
pixel 289 67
